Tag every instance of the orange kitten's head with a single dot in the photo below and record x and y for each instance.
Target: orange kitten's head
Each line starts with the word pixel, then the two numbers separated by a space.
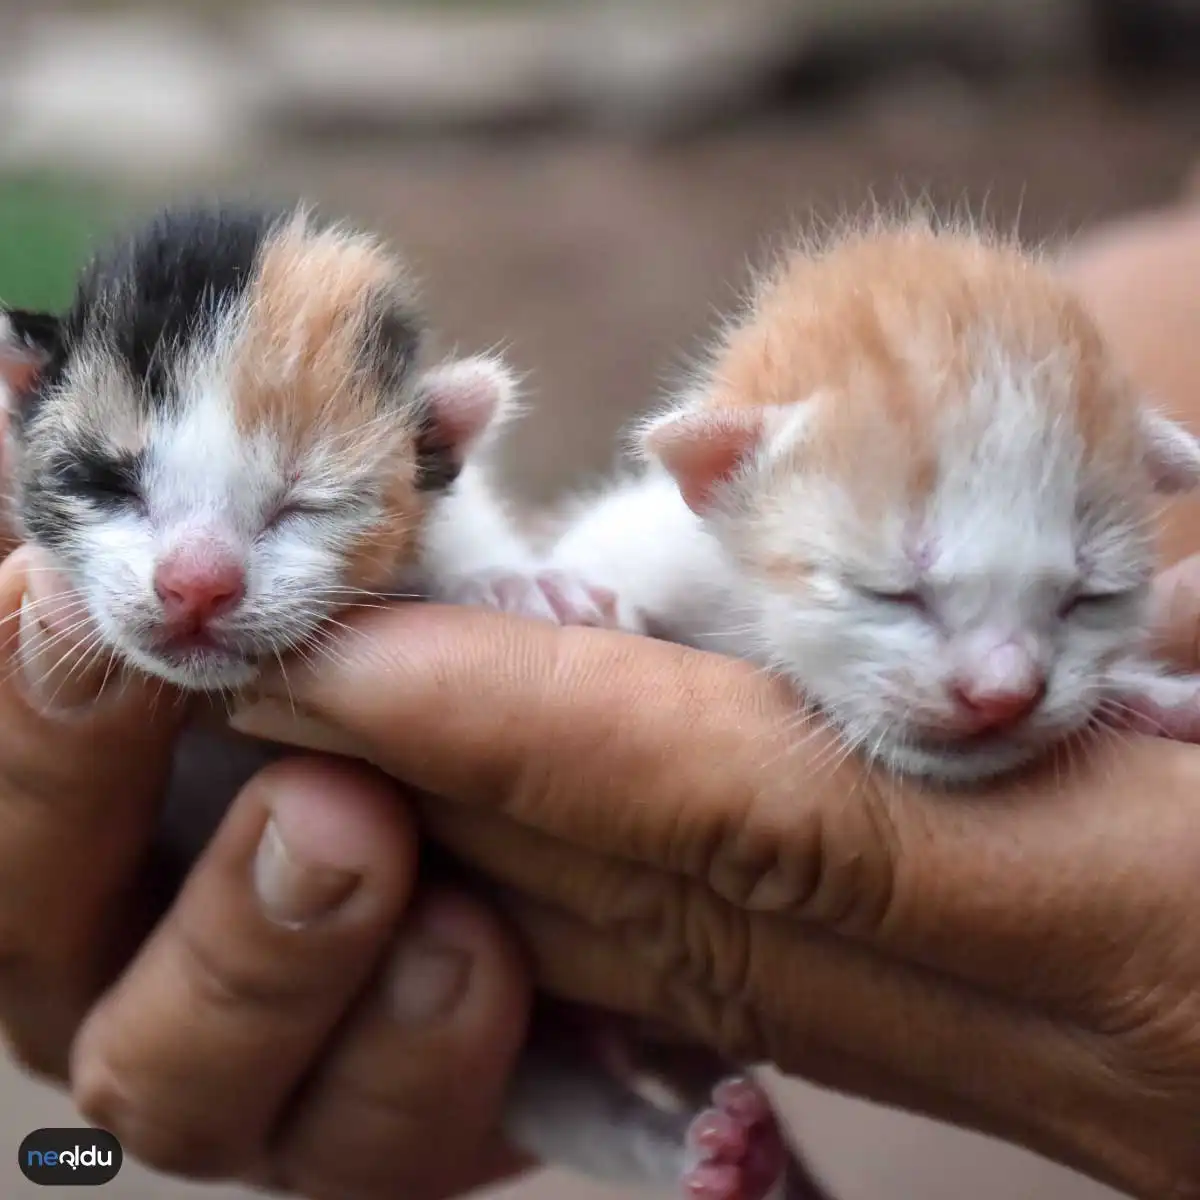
pixel 918 450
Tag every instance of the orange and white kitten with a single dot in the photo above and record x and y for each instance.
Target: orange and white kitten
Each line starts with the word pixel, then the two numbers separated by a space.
pixel 912 478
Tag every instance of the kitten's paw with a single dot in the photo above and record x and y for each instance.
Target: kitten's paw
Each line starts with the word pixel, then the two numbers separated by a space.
pixel 735 1148
pixel 578 603
pixel 553 596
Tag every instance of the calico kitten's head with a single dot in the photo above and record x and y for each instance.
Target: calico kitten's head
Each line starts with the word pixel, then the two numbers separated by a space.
pixel 943 492
pixel 230 434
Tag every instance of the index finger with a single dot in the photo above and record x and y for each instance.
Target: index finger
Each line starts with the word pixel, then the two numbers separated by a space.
pixel 478 707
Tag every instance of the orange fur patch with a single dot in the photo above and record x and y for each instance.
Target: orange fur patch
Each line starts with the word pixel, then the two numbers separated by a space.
pixel 891 327
pixel 302 369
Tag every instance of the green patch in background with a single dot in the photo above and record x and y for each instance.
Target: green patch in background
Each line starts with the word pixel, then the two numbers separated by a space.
pixel 47 230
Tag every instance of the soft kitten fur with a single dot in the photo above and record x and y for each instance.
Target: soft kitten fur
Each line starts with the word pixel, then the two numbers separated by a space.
pixel 910 466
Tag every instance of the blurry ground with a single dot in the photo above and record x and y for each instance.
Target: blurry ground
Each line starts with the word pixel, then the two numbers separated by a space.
pixel 600 262
pixel 596 262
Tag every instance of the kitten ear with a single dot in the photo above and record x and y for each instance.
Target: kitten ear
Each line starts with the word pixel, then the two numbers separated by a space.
pixel 704 448
pixel 460 402
pixel 28 341
pixel 1172 453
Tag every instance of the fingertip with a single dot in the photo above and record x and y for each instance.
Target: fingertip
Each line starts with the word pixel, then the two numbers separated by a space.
pixel 487 992
pixel 13 573
pixel 338 820
pixel 331 808
pixel 414 1088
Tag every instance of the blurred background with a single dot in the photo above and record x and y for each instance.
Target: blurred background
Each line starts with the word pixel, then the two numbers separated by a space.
pixel 584 182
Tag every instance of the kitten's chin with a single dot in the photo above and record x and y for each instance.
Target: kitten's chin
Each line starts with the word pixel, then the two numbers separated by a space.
pixel 962 765
pixel 978 763
pixel 200 671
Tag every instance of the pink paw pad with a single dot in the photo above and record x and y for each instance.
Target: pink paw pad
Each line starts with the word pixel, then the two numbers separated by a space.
pixel 735 1147
pixel 552 596
pixel 577 603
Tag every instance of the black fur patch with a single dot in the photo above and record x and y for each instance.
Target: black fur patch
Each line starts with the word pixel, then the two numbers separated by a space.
pixel 106 481
pixel 37 331
pixel 395 334
pixel 148 296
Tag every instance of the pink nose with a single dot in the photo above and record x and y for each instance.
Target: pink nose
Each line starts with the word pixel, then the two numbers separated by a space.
pixel 1002 691
pixel 199 584
pixel 991 710
pixel 999 689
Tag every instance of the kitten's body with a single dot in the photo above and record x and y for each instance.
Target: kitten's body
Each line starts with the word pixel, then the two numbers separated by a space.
pixel 231 436
pixel 912 479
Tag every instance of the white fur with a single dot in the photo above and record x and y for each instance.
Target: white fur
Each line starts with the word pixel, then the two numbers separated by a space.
pixel 670 574
pixel 561 1111
pixel 1010 542
pixel 471 534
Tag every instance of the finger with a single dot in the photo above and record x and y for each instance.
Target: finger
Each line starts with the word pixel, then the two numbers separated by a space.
pixel 647 739
pixel 408 1099
pixel 701 766
pixel 1175 615
pixel 82 768
pixel 191 1057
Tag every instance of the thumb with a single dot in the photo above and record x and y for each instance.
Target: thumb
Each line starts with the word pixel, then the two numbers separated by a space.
pixel 1175 614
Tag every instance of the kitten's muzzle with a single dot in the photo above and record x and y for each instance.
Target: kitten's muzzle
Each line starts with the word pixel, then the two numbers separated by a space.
pixel 995 692
pixel 196 585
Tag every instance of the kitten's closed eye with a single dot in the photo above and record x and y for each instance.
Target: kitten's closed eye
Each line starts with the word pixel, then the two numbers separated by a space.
pixel 305 508
pixel 908 598
pixel 109 483
pixel 301 506
pixel 299 510
pixel 1094 601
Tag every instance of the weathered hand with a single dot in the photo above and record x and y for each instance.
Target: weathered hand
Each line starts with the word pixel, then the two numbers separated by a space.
pixel 270 1025
pixel 1022 961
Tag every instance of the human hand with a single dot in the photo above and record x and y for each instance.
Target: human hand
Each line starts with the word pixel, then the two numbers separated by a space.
pixel 269 1027
pixel 1022 961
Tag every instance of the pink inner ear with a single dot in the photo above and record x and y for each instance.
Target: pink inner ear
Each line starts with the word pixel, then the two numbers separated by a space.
pixel 464 398
pixel 704 450
pixel 18 370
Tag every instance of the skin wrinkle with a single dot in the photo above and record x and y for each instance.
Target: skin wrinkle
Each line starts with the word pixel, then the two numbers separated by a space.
pixel 697 953
pixel 690 994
